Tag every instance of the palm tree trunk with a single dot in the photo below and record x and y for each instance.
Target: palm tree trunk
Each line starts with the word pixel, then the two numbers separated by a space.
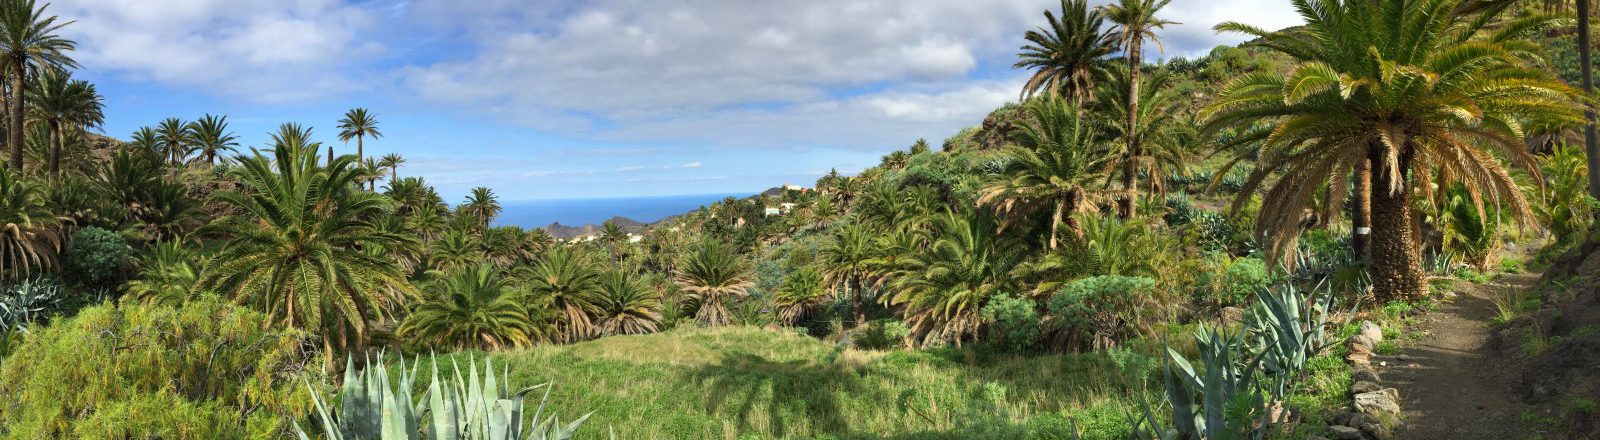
pixel 1130 178
pixel 855 302
pixel 1361 211
pixel 1397 269
pixel 1055 221
pixel 54 144
pixel 1591 146
pixel 19 75
pixel 330 156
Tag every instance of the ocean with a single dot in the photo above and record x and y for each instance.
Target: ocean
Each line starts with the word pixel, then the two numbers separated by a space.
pixel 578 212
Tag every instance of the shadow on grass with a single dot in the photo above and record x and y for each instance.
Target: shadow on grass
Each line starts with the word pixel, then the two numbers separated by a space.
pixel 755 390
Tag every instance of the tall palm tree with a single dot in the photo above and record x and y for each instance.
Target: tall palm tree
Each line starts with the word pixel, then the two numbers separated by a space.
pixel 472 307
pixel 28 42
pixel 60 103
pixel 628 306
pixel 944 287
pixel 1053 167
pixel 713 274
pixel 566 279
pixel 296 247
pixel 359 124
pixel 29 238
pixel 1591 145
pixel 392 161
pixel 845 263
pixel 1068 54
pixel 1135 21
pixel 1164 130
pixel 174 139
pixel 482 205
pixel 1416 89
pixel 210 136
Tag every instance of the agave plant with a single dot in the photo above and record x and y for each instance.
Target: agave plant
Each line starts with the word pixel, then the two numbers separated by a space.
pixel 1228 379
pixel 461 409
pixel 1289 328
pixel 25 302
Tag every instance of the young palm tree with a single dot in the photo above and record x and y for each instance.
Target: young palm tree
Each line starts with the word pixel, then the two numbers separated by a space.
pixel 210 136
pixel 29 239
pixel 1135 21
pixel 28 41
pixel 168 273
pixel 358 124
pixel 61 103
pixel 845 260
pixel 472 307
pixel 802 293
pixel 1417 90
pixel 296 248
pixel 944 287
pixel 568 281
pixel 628 306
pixel 174 139
pixel 392 161
pixel 713 274
pixel 1067 55
pixel 452 251
pixel 481 205
pixel 1053 167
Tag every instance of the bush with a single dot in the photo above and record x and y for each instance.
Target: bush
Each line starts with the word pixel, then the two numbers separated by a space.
pixel 1233 282
pixel 1097 312
pixel 882 334
pixel 1180 211
pixel 207 370
pixel 96 258
pixel 1013 323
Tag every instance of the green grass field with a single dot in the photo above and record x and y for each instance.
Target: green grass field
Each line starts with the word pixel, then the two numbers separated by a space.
pixel 738 383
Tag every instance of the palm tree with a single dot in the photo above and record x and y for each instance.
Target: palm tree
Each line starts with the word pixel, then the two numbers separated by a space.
pixel 713 274
pixel 1135 21
pixel 1437 94
pixel 210 136
pixel 296 248
pixel 392 161
pixel 29 239
pixel 1053 167
pixel 146 139
pixel 1591 145
pixel 28 41
pixel 567 279
pixel 472 307
pixel 481 205
pixel 359 124
pixel 844 261
pixel 168 273
pixel 1163 130
pixel 802 293
pixel 628 306
pixel 1068 55
pixel 944 287
pixel 174 138
pixel 57 100
pixel 453 250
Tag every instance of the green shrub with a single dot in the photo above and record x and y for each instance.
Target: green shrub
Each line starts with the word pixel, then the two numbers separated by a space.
pixel 206 370
pixel 1097 312
pixel 1233 281
pixel 1013 323
pixel 1050 427
pixel 882 334
pixel 96 257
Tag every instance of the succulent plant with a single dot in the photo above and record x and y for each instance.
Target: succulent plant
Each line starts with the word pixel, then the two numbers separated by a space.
pixel 470 408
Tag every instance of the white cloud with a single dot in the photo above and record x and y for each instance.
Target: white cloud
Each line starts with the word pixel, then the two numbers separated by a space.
pixel 261 50
pixel 1195 37
pixel 695 164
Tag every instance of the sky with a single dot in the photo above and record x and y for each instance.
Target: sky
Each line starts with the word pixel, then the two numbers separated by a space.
pixel 543 99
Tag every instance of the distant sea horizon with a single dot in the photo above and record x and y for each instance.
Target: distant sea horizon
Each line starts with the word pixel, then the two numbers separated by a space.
pixel 530 214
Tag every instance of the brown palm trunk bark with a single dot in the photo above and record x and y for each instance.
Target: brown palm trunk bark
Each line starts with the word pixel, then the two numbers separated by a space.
pixel 19 75
pixel 1130 179
pixel 54 144
pixel 1396 267
pixel 1361 211
pixel 330 156
pixel 1591 146
pixel 855 302
pixel 1055 221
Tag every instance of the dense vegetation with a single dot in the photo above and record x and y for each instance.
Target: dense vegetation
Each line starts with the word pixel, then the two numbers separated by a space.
pixel 1048 273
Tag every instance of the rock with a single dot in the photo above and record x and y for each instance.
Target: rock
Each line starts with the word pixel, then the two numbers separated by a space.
pixel 1366 373
pixel 1317 437
pixel 1359 354
pixel 1231 315
pixel 1376 430
pixel 1372 331
pixel 1361 340
pixel 1364 386
pixel 1382 405
pixel 1342 432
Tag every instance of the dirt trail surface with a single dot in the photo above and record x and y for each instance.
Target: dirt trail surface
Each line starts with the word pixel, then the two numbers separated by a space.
pixel 1452 384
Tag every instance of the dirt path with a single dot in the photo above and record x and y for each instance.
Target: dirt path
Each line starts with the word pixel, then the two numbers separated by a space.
pixel 1452 385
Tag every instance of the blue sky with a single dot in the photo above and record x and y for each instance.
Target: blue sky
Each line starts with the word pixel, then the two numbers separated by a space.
pixel 541 99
